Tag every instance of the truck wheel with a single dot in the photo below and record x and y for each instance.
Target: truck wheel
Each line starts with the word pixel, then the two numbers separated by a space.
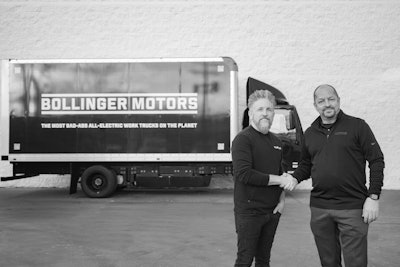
pixel 98 181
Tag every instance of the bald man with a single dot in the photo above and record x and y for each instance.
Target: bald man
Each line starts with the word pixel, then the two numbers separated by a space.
pixel 335 151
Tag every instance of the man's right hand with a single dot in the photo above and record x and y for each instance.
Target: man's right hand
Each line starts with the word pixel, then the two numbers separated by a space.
pixel 288 182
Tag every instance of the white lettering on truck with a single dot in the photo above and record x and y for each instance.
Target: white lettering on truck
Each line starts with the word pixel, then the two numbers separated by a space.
pixel 164 103
pixel 139 103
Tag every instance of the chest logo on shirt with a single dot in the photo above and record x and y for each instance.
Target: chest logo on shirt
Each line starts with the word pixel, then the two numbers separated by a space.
pixel 278 147
pixel 341 133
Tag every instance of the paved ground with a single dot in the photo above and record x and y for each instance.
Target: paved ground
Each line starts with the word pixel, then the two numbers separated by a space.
pixel 48 227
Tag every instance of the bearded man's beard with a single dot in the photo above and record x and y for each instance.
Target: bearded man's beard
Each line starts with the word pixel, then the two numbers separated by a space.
pixel 263 126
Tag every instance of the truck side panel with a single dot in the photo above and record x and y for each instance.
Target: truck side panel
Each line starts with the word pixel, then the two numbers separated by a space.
pixel 116 111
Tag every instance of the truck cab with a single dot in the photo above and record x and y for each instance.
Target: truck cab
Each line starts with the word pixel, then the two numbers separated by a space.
pixel 286 125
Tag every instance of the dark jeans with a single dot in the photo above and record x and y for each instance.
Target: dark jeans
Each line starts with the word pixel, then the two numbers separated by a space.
pixel 337 231
pixel 255 235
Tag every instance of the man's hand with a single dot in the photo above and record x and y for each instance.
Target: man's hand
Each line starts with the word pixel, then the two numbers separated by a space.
pixel 370 210
pixel 288 182
pixel 281 204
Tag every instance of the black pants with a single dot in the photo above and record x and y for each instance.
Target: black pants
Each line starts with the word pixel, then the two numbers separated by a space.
pixel 255 235
pixel 340 231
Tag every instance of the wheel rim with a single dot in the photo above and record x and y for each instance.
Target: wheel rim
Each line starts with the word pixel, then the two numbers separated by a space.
pixel 97 182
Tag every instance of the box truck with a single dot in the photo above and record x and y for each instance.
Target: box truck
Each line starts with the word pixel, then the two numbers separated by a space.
pixel 165 122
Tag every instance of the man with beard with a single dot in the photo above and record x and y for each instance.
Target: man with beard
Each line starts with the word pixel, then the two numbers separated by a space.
pixel 334 154
pixel 258 195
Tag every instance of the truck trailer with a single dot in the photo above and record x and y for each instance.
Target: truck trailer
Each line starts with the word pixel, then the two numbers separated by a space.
pixel 165 122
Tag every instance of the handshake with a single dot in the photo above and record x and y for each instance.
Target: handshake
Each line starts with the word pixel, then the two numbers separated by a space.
pixel 288 182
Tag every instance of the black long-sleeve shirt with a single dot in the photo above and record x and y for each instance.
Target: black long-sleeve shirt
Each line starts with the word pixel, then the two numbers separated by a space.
pixel 336 158
pixel 255 156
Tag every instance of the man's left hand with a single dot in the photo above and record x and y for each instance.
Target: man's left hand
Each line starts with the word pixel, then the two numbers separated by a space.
pixel 370 210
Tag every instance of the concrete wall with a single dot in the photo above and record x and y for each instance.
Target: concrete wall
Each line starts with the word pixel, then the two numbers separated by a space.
pixel 293 45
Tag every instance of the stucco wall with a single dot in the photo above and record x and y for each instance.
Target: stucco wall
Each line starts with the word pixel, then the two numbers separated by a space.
pixel 293 45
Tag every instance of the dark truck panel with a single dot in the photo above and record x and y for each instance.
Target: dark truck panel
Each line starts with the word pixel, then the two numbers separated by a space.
pixel 120 108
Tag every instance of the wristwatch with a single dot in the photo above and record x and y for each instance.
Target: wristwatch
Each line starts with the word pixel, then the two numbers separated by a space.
pixel 374 196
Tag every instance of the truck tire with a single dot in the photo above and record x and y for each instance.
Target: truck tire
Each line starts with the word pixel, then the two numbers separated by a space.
pixel 98 181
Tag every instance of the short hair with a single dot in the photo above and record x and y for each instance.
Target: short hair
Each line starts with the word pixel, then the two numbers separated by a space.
pixel 325 85
pixel 261 94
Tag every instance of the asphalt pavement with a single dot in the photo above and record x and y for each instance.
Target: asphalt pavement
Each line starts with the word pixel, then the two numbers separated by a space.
pixel 161 228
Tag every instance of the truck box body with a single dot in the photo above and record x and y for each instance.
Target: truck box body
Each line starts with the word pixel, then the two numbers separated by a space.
pixel 132 116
